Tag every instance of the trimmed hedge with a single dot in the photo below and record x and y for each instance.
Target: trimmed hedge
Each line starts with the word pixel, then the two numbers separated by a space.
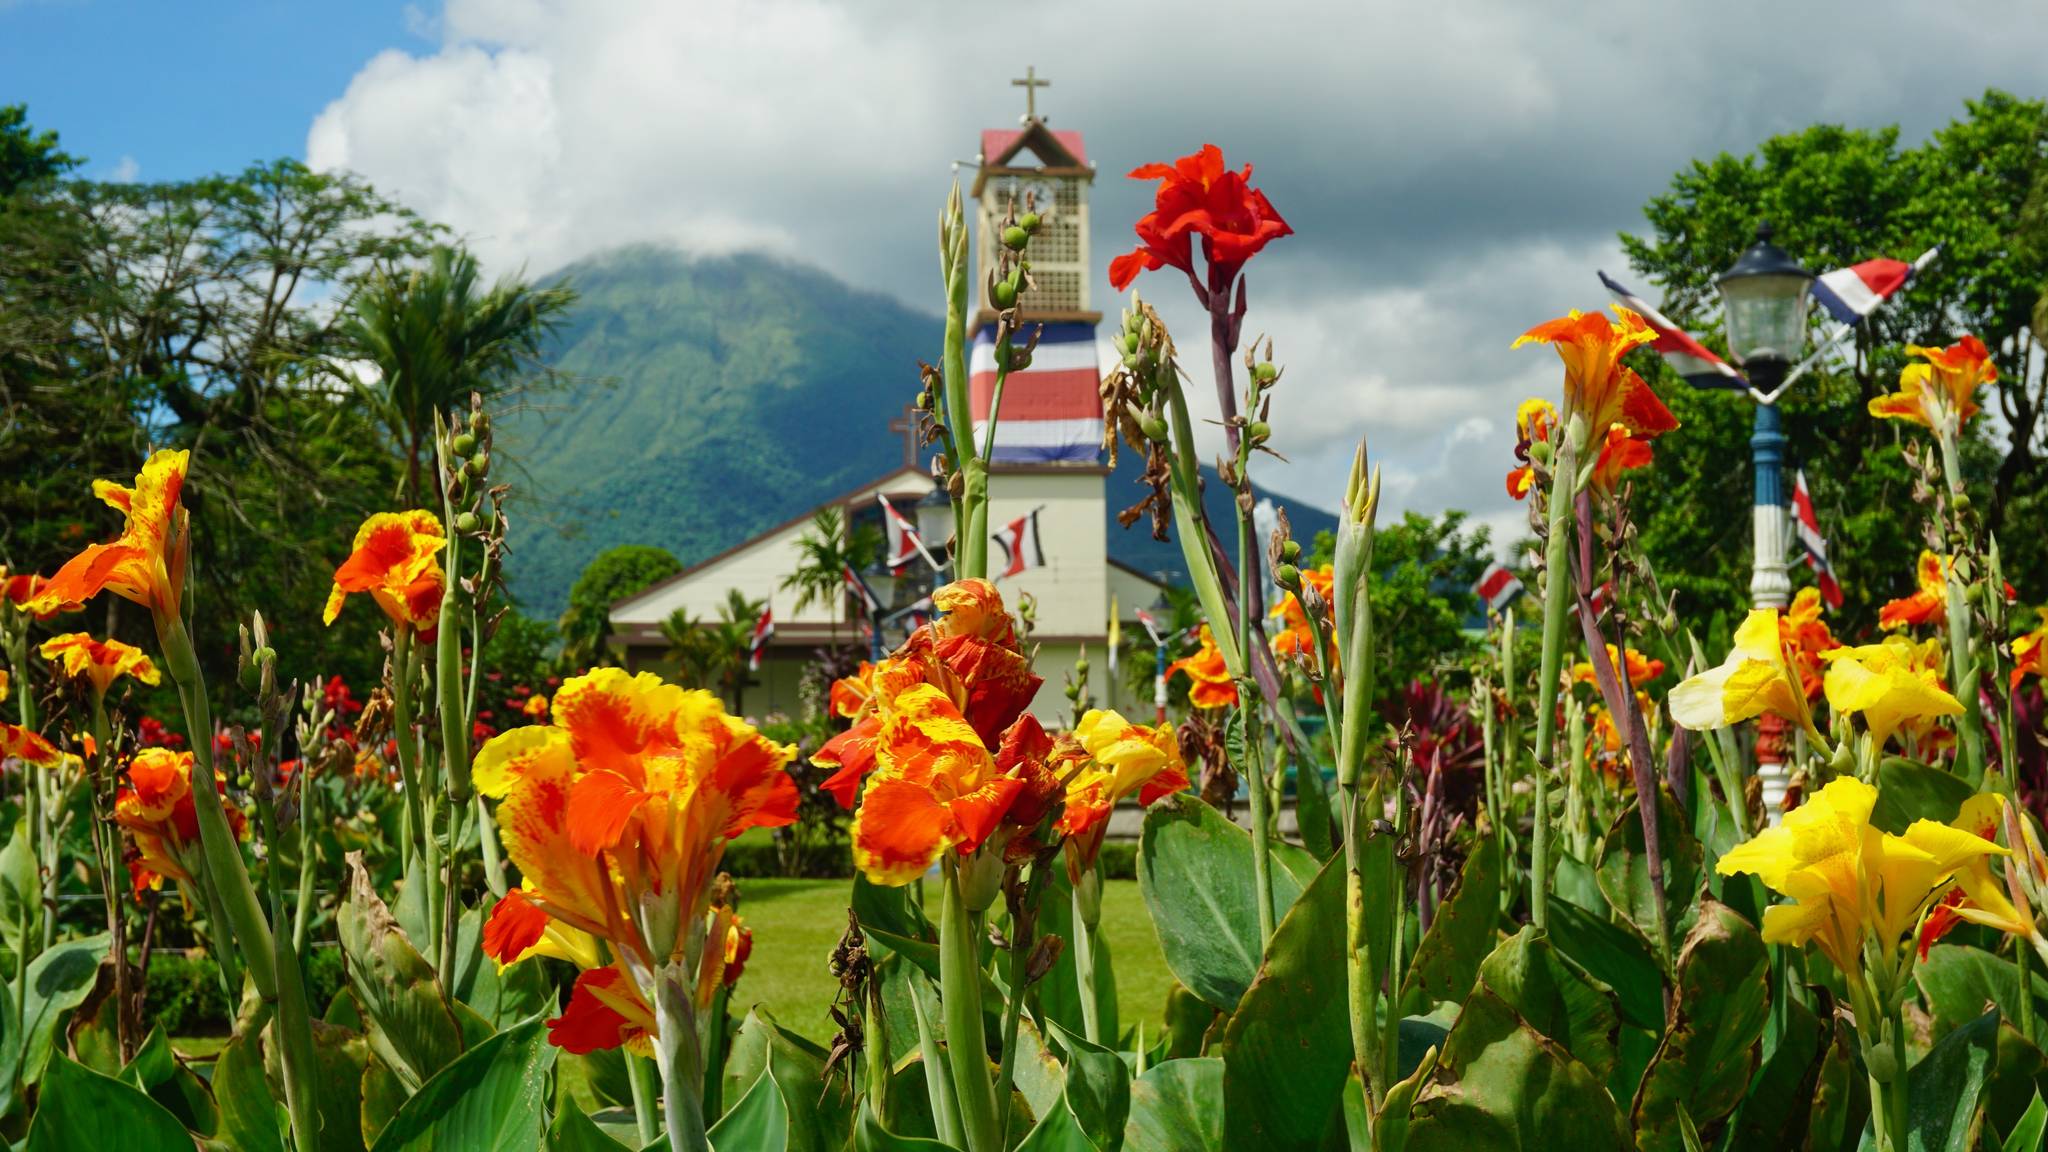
pixel 753 860
pixel 183 992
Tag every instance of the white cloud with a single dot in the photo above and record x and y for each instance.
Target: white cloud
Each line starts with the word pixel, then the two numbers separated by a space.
pixel 125 171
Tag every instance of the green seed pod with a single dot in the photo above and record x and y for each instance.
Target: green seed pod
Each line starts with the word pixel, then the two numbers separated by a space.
pixel 467 523
pixel 1539 452
pixel 1884 1067
pixel 479 465
pixel 463 445
pixel 1260 431
pixel 1029 222
pixel 1153 427
pixel 1015 238
pixel 1266 372
pixel 478 422
pixel 1962 504
pixel 1288 577
pixel 1081 666
pixel 1290 551
pixel 1004 294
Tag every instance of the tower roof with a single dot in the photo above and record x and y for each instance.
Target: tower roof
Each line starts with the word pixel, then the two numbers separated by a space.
pixel 1062 149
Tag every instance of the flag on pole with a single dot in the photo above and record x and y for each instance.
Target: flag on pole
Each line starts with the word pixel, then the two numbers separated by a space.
pixel 869 606
pixel 1852 293
pixel 1019 541
pixel 1052 408
pixel 1498 586
pixel 1687 356
pixel 758 643
pixel 1151 625
pixel 1601 597
pixel 1812 543
pixel 904 542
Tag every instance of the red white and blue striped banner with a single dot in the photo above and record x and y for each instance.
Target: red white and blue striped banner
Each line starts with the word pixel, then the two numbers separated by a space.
pixel 1498 586
pixel 758 642
pixel 1687 356
pixel 1052 410
pixel 1812 543
pixel 1849 294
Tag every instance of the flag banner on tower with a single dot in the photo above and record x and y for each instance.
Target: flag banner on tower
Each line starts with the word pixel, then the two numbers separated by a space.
pixel 904 542
pixel 1151 624
pixel 915 616
pixel 758 643
pixel 1498 586
pixel 1687 356
pixel 1019 541
pixel 1601 597
pixel 1812 543
pixel 1849 294
pixel 1052 410
pixel 869 606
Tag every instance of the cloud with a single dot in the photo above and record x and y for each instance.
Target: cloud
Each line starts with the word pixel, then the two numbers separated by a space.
pixel 125 171
pixel 1453 173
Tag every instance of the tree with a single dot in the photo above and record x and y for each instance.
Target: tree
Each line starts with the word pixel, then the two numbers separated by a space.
pixel 1837 196
pixel 28 157
pixel 434 335
pixel 1423 572
pixel 615 574
pixel 829 547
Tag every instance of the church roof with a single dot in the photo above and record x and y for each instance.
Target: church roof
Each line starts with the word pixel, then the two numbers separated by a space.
pixel 1000 145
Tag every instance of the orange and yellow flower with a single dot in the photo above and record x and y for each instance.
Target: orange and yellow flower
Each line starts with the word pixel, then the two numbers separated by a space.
pixel 396 558
pixel 1943 388
pixel 29 593
pixel 18 743
pixel 147 563
pixel 1978 897
pixel 2027 650
pixel 1757 677
pixel 1890 685
pixel 935 788
pixel 1211 685
pixel 100 662
pixel 1122 759
pixel 617 813
pixel 535 708
pixel 1598 388
pixel 1535 421
pixel 1295 637
pixel 155 806
pixel 1641 669
pixel 1928 602
pixel 1806 636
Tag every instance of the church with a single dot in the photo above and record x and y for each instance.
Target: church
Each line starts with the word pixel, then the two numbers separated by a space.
pixel 1047 480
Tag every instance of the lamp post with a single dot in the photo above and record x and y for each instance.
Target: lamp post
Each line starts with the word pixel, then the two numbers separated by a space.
pixel 1764 299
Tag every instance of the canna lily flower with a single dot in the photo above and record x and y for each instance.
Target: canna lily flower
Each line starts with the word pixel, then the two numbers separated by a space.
pixel 1755 679
pixel 1928 603
pixel 1977 897
pixel 1122 759
pixel 617 813
pixel 1888 684
pixel 2026 651
pixel 4 684
pixel 28 592
pixel 535 708
pixel 18 743
pixel 935 788
pixel 1199 196
pixel 397 560
pixel 558 940
pixel 1212 686
pixel 1621 451
pixel 606 1009
pixel 1942 389
pixel 147 563
pixel 99 662
pixel 1535 421
pixel 1296 638
pixel 1806 637
pixel 155 806
pixel 1599 389
pixel 1849 880
pixel 1641 669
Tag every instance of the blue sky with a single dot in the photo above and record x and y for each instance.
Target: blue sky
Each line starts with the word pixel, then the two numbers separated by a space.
pixel 185 89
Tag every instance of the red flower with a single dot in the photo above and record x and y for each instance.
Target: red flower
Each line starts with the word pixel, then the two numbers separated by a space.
pixel 1198 195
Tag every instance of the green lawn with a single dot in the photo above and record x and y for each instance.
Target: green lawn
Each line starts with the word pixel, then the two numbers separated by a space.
pixel 796 923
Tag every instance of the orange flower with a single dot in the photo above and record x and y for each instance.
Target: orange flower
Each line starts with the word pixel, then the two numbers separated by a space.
pixel 617 814
pixel 397 560
pixel 607 1010
pixel 28 592
pixel 147 563
pixel 935 788
pixel 1121 759
pixel 1535 420
pixel 1641 669
pixel 2026 651
pixel 1806 636
pixel 1598 388
pixel 155 806
pixel 1942 388
pixel 1198 196
pixel 1296 638
pixel 536 707
pixel 18 743
pixel 849 693
pixel 101 662
pixel 1212 686
pixel 1622 451
pixel 1928 604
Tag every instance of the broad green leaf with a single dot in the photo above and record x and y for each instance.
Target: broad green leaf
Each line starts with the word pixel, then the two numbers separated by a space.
pixel 1059 992
pixel 1188 1019
pixel 2019 1070
pixel 1555 999
pixel 1098 1088
pixel 1776 1105
pixel 500 997
pixel 1616 957
pixel 1038 1074
pixel 156 1070
pixel 21 892
pixel 59 980
pixel 1624 868
pixel 1501 1086
pixel 1060 1131
pixel 575 1132
pixel 341 1054
pixel 1907 792
pixel 1959 981
pixel 758 1123
pixel 153 1063
pixel 249 1119
pixel 1946 1088
pixel 870 1136
pixel 1312 807
pixel 814 1111
pixel 411 1026
pixel 81 1109
pixel 889 909
pixel 2032 1130
pixel 1703 1064
pixel 1194 868
pixel 381 1097
pixel 1460 935
pixel 1841 1094
pixel 493 1096
pixel 1287 1048
pixel 1177 1106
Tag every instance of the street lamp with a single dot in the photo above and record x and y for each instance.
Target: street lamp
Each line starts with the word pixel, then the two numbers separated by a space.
pixel 934 516
pixel 1764 301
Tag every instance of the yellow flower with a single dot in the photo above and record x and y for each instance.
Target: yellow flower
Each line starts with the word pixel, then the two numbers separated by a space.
pixel 101 662
pixel 147 564
pixel 1889 684
pixel 1847 878
pixel 397 560
pixel 2027 651
pixel 1755 679
pixel 1977 897
pixel 1946 385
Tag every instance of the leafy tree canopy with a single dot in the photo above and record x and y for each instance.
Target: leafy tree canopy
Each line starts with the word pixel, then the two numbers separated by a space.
pixel 615 574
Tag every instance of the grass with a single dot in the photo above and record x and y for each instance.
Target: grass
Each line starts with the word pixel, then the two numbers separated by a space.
pixel 796 923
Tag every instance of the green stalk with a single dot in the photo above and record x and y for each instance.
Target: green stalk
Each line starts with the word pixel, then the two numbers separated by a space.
pixel 454 718
pixel 292 1024
pixel 938 1070
pixel 1086 941
pixel 2020 962
pixel 109 853
pixel 970 508
pixel 1556 583
pixel 1021 943
pixel 1575 792
pixel 875 1059
pixel 715 1052
pixel 1390 1035
pixel 1351 612
pixel 960 1002
pixel 1962 665
pixel 309 862
pixel 640 1075
pixel 1248 715
pixel 680 1059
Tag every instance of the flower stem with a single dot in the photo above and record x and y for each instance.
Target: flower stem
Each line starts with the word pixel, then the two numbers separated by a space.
pixel 960 1002
pixel 938 1070
pixel 1557 579
pixel 680 1060
pixel 1086 941
pixel 1023 933
pixel 640 1075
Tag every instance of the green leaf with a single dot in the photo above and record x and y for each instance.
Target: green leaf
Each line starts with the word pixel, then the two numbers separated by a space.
pixel 59 980
pixel 1098 1088
pixel 383 1094
pixel 493 1096
pixel 1459 937
pixel 153 1063
pixel 1177 1106
pixel 340 1055
pixel 2019 1070
pixel 1501 1085
pixel 1624 868
pixel 758 1123
pixel 411 1026
pixel 1555 999
pixel 1960 980
pixel 1193 867
pixel 1777 1103
pixel 1287 1048
pixel 1841 1094
pixel 1946 1088
pixel 21 892
pixel 1312 806
pixel 575 1132
pixel 2032 1130
pixel 499 997
pixel 889 909
pixel 80 1108
pixel 1616 957
pixel 1702 1067
pixel 815 1112
pixel 1188 1019
pixel 1907 792
pixel 1060 1131
pixel 870 1136
pixel 249 1118
pixel 156 1070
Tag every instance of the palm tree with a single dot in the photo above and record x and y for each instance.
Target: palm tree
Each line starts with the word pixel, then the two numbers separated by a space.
pixel 715 653
pixel 689 647
pixel 828 547
pixel 435 335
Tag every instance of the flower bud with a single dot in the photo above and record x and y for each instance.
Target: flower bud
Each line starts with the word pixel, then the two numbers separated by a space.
pixel 1260 431
pixel 1288 576
pixel 1290 551
pixel 1539 452
pixel 478 422
pixel 1015 238
pixel 1265 372
pixel 479 464
pixel 463 444
pixel 1961 502
pixel 1154 427
pixel 1004 294
pixel 1081 666
pixel 467 523
pixel 1029 222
